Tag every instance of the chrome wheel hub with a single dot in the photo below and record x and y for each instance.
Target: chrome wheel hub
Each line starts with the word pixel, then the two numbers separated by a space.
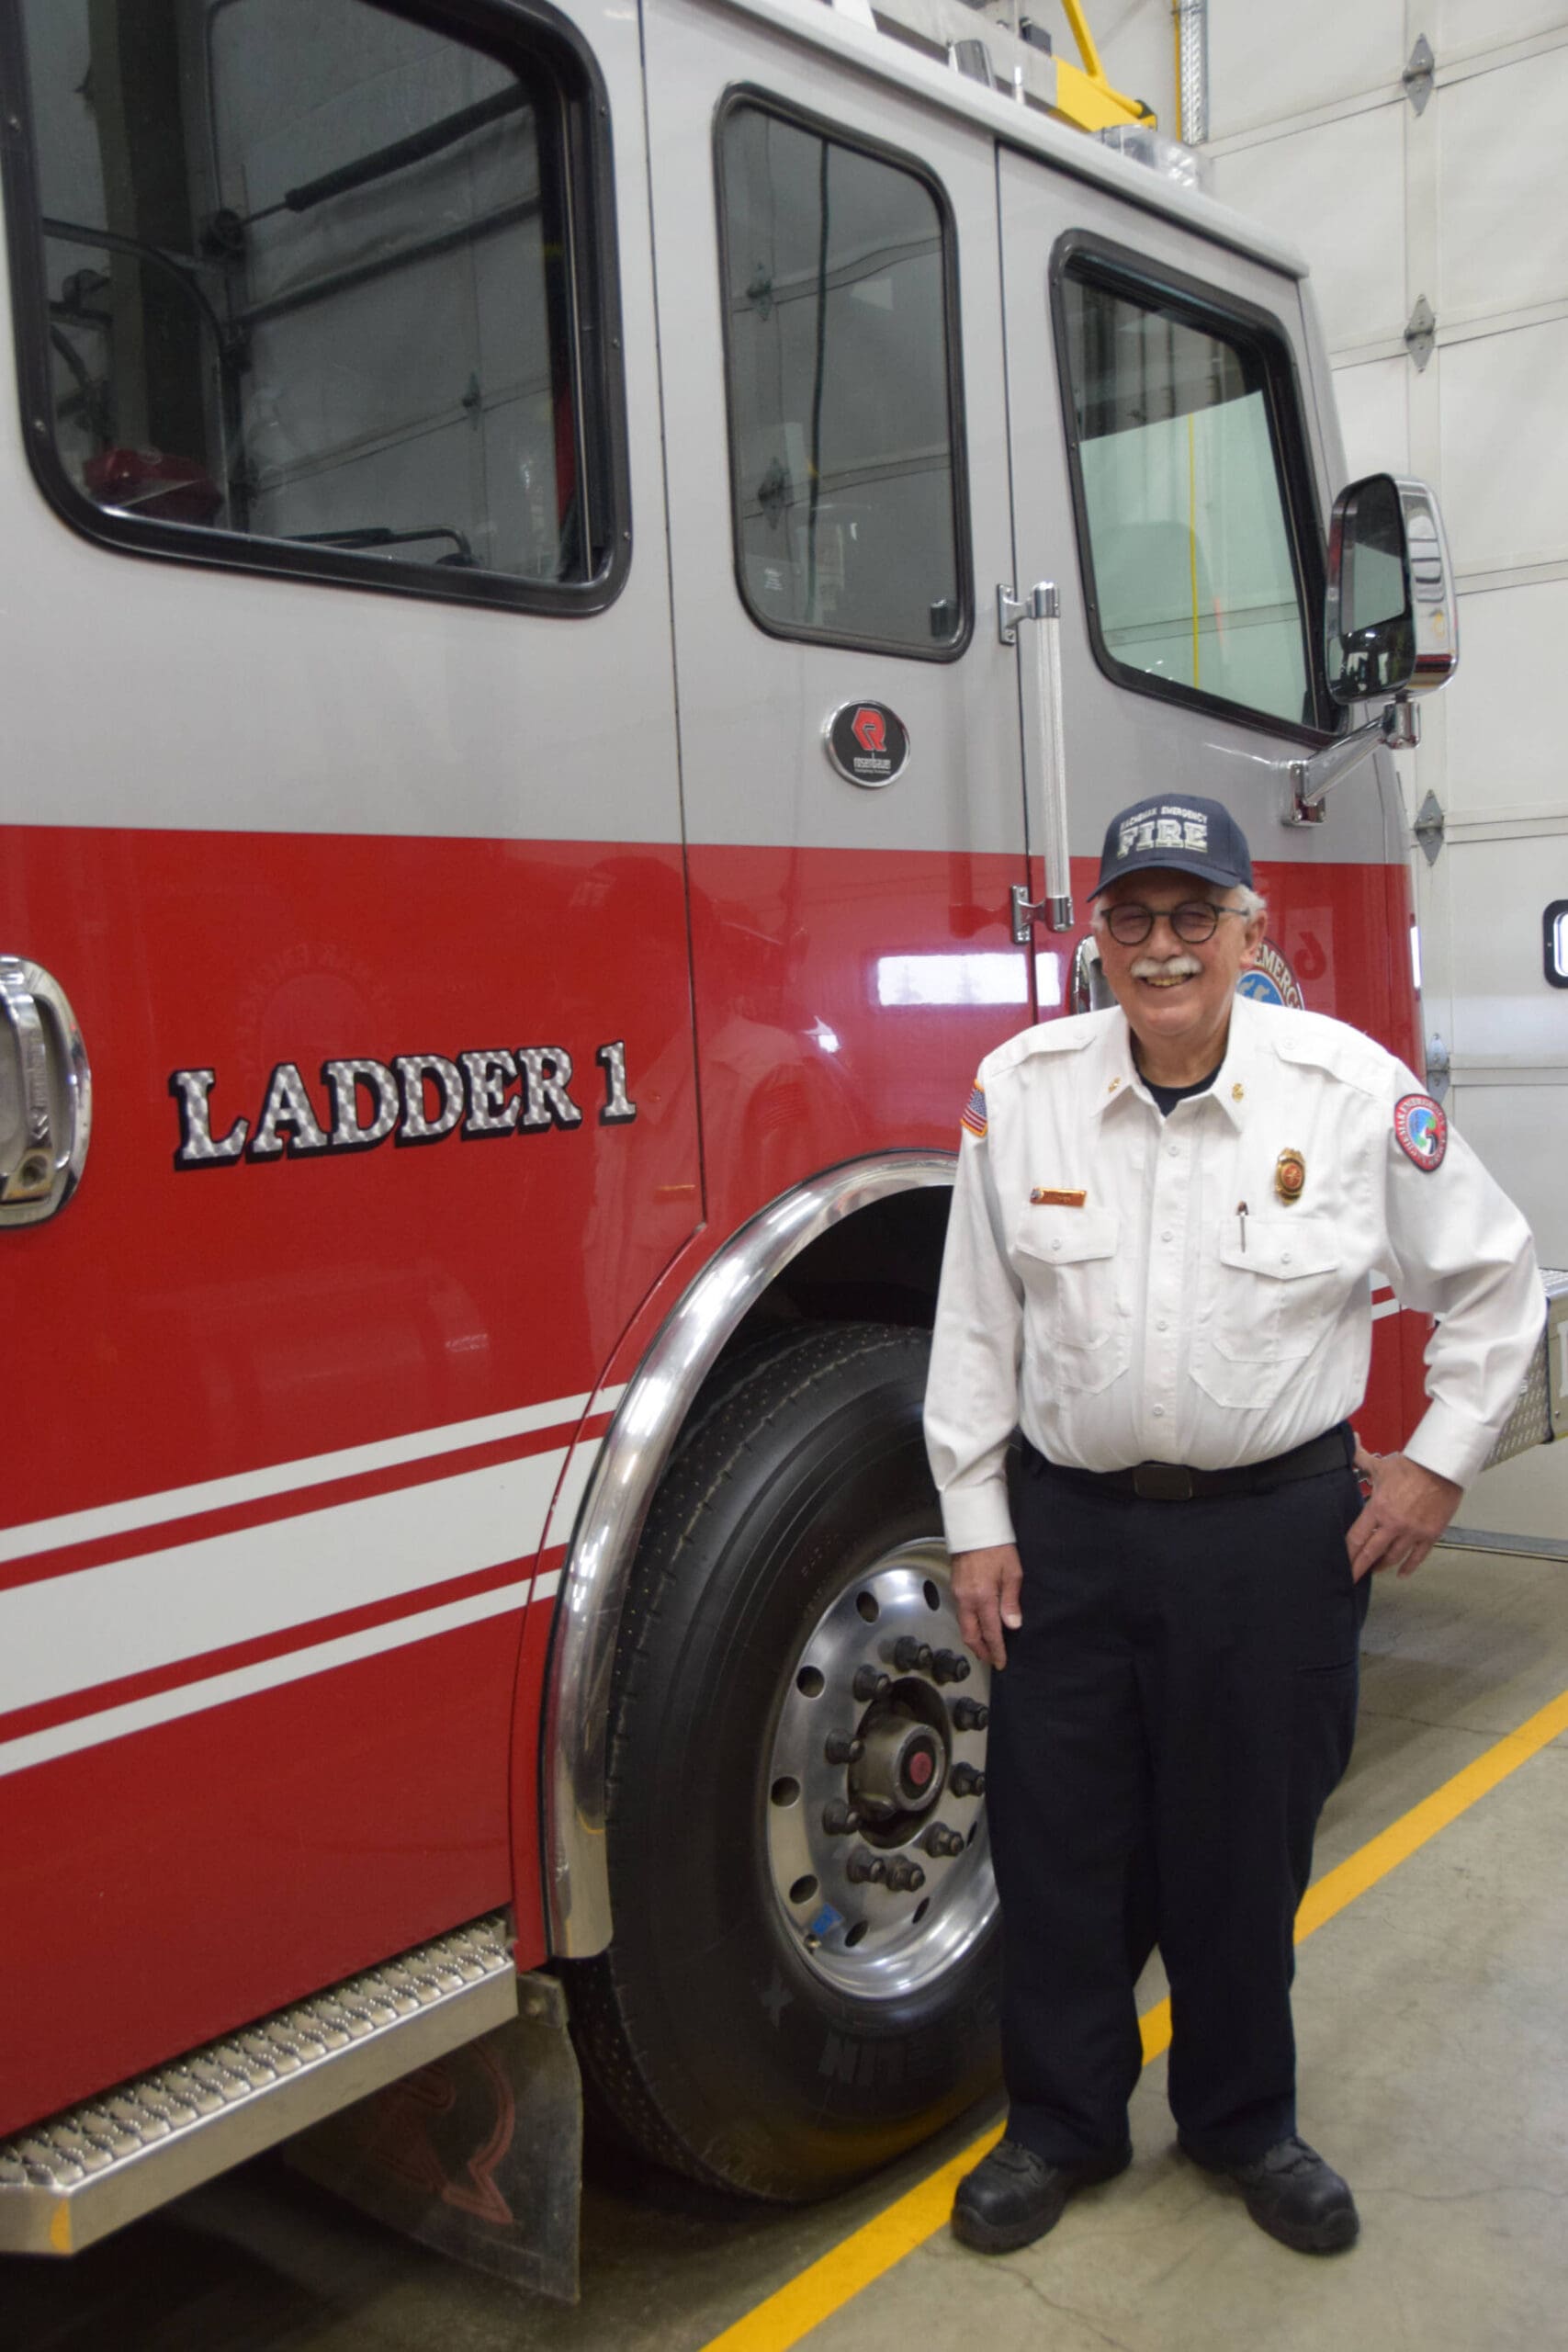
pixel 876 1828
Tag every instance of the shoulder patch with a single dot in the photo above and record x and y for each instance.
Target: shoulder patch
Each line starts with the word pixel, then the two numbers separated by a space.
pixel 1421 1130
pixel 974 1120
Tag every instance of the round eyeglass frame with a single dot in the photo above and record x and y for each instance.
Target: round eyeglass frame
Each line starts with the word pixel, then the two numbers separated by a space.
pixel 1194 921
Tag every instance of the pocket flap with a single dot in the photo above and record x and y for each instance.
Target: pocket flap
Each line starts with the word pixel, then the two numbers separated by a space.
pixel 1065 1237
pixel 1284 1247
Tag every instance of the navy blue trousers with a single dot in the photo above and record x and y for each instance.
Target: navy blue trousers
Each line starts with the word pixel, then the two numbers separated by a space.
pixel 1174 1712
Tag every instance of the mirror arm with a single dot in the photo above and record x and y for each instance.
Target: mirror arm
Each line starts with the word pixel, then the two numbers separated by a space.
pixel 1308 782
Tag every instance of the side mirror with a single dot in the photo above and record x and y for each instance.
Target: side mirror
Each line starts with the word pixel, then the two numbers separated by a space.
pixel 1391 619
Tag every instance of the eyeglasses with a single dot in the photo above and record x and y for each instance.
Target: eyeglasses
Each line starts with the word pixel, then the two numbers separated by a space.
pixel 1196 920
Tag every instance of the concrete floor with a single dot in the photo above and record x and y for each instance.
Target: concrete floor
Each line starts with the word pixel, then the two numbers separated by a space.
pixel 1433 2020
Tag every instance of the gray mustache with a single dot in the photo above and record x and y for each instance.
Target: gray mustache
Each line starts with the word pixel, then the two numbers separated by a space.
pixel 1168 967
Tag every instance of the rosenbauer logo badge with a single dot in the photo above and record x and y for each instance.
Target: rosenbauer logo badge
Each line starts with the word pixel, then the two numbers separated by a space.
pixel 867 742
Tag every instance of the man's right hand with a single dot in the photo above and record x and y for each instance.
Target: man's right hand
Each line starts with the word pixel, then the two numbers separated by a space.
pixel 986 1587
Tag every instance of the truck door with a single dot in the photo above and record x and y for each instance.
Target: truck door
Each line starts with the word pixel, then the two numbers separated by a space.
pixel 831 342
pixel 1162 472
pixel 340 808
pixel 1168 474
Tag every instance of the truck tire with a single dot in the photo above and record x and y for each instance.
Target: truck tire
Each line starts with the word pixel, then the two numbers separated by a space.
pixel 788 2002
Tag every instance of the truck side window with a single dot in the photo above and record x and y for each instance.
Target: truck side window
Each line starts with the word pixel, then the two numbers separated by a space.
pixel 841 341
pixel 1186 517
pixel 312 285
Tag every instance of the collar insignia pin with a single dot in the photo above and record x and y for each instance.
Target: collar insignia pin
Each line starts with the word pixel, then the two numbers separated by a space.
pixel 1290 1175
pixel 1237 1091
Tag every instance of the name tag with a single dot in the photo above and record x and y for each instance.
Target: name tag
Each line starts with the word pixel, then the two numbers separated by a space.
pixel 1053 1196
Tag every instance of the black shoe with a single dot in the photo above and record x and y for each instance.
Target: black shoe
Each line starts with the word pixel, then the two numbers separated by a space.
pixel 1293 2195
pixel 1014 2195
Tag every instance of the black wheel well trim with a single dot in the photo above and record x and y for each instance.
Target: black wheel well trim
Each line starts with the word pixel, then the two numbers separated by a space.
pixel 652 1410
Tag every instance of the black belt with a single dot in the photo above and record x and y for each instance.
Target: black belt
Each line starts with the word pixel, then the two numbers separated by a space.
pixel 1171 1482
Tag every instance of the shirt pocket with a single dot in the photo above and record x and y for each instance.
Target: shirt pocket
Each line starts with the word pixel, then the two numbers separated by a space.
pixel 1269 1299
pixel 1075 1284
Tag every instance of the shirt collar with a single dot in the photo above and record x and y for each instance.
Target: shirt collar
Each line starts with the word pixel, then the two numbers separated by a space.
pixel 1113 1074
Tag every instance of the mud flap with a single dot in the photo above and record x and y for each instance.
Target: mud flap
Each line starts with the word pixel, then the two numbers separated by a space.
pixel 479 2155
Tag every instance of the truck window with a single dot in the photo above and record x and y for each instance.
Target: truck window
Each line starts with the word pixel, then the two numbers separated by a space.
pixel 309 284
pixel 1189 540
pixel 840 350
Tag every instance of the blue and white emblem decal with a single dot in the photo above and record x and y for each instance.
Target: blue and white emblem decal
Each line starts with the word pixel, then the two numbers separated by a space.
pixel 1422 1130
pixel 1270 981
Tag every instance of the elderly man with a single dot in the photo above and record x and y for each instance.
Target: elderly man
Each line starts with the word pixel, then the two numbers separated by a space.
pixel 1166 1225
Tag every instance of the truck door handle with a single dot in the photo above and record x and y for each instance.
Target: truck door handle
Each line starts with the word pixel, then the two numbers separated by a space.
pixel 1044 763
pixel 46 1095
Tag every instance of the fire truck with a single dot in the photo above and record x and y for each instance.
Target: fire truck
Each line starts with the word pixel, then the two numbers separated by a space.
pixel 580 586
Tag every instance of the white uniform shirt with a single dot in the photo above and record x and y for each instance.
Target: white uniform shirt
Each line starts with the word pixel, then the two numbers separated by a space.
pixel 1153 1320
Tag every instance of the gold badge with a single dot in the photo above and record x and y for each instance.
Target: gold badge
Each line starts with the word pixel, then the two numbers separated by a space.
pixel 1053 1196
pixel 1237 1091
pixel 1290 1175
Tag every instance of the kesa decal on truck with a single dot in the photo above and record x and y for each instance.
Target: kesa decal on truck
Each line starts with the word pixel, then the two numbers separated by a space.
pixel 415 1098
pixel 1270 981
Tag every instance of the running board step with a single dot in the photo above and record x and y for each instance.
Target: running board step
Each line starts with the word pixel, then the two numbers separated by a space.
pixel 92 2169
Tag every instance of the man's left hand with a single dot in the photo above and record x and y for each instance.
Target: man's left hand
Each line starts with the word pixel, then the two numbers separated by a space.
pixel 1403 1517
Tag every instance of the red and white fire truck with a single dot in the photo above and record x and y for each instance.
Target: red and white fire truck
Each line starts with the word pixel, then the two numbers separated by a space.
pixel 579 584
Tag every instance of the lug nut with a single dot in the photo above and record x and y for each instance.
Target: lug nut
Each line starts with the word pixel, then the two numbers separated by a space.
pixel 869 1684
pixel 840 1749
pixel 941 1841
pixel 968 1714
pixel 902 1876
pixel 911 1656
pixel 839 1819
pixel 950 1665
pixel 964 1781
pixel 866 1869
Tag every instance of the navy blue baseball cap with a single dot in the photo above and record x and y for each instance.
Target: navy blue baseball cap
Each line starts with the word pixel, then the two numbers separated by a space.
pixel 1181 833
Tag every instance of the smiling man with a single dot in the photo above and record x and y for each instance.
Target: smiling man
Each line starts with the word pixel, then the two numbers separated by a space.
pixel 1165 1228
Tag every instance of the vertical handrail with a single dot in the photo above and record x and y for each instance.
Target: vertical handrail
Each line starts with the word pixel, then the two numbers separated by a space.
pixel 1044 754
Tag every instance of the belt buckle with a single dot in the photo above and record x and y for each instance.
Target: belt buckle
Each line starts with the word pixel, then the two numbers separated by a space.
pixel 1163 1482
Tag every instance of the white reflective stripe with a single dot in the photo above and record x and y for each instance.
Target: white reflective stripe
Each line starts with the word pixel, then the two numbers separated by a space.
pixel 69 1633
pixel 1385 1306
pixel 573 1487
pixel 192 1698
pixel 548 1586
pixel 315 1470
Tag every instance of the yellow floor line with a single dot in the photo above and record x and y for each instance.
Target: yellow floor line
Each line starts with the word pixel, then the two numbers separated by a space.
pixel 826 2285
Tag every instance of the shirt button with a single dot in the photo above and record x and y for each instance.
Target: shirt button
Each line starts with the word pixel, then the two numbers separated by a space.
pixel 1162 1326
pixel 1166 1235
pixel 1284 1257
pixel 1173 1151
pixel 1159 1412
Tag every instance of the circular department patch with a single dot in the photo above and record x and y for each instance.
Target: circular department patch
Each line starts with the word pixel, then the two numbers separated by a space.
pixel 1422 1130
pixel 1270 981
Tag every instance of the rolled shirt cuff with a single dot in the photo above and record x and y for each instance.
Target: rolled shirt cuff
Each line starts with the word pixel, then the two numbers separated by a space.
pixel 973 1517
pixel 1454 1445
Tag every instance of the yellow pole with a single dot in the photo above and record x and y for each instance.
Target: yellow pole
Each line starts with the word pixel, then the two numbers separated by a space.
pixel 1083 94
pixel 1192 533
pixel 1078 26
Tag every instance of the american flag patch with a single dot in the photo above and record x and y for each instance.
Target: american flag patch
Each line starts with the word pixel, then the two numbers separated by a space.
pixel 974 1119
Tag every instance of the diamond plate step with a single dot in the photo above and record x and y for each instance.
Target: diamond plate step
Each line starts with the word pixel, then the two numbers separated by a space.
pixel 92 2169
pixel 1541 1413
